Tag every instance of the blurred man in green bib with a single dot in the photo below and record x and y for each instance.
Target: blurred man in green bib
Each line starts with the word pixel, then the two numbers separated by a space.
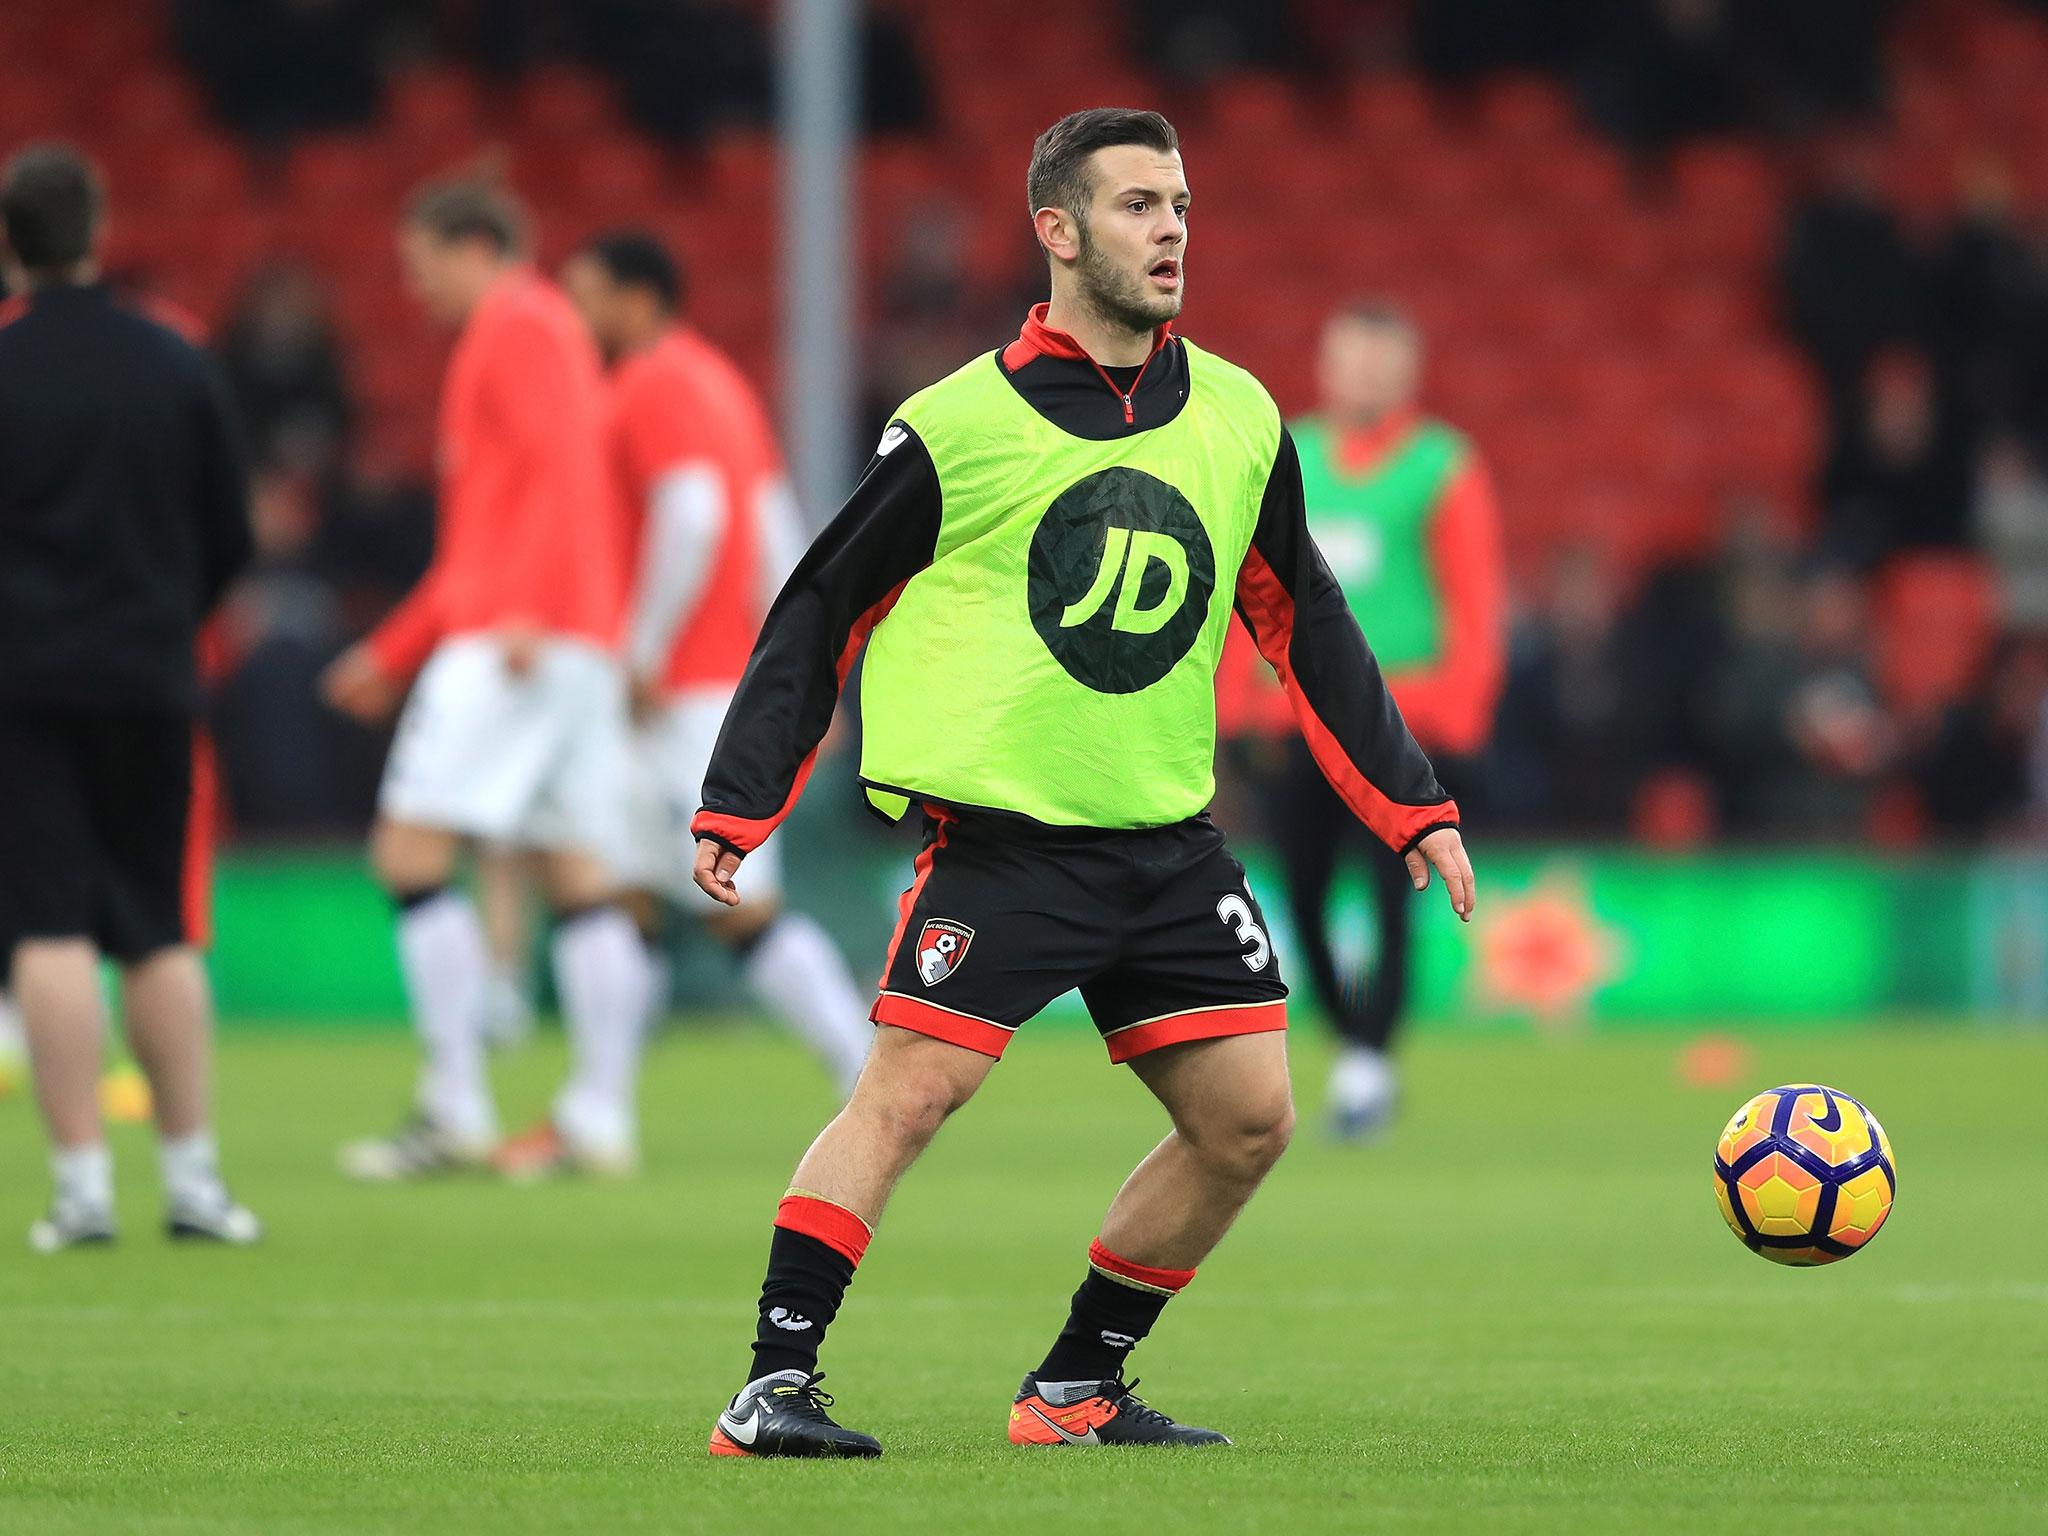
pixel 1042 560
pixel 1402 509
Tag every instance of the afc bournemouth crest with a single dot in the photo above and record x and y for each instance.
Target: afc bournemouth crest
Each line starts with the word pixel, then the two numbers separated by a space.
pixel 940 949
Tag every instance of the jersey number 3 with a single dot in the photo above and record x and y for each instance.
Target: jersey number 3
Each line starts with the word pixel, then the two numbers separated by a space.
pixel 1237 912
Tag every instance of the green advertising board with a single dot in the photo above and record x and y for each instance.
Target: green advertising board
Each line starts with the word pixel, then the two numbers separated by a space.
pixel 1614 938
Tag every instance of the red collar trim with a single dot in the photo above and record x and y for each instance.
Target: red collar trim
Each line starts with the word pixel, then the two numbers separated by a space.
pixel 1359 449
pixel 1037 339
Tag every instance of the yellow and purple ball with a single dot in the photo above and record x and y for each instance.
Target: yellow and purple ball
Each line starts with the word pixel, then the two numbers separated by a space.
pixel 1804 1175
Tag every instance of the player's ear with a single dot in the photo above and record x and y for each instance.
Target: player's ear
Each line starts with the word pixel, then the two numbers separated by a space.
pixel 1058 232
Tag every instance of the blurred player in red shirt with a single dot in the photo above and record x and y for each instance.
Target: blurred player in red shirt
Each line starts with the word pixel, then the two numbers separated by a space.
pixel 515 730
pixel 1402 509
pixel 714 532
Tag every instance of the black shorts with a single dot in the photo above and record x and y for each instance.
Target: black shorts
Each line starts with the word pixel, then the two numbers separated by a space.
pixel 1156 927
pixel 93 812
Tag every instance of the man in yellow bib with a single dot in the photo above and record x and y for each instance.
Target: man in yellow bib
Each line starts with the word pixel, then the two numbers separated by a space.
pixel 1042 560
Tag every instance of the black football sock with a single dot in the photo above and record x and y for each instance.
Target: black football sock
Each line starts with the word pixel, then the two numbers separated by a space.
pixel 811 1260
pixel 1115 1307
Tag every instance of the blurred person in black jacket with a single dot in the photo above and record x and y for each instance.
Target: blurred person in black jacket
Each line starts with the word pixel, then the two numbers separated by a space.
pixel 122 519
pixel 283 363
pixel 1849 283
pixel 1976 776
pixel 275 68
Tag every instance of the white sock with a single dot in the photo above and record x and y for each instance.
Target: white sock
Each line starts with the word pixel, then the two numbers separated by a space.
pixel 1363 1079
pixel 601 976
pixel 447 970
pixel 661 985
pixel 83 1175
pixel 508 1012
pixel 13 1042
pixel 191 1166
pixel 797 970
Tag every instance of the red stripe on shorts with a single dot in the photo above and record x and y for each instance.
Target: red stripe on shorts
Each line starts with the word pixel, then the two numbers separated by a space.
pixel 1199 1024
pixel 962 1029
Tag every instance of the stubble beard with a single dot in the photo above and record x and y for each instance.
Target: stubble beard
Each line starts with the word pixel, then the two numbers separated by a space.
pixel 1120 298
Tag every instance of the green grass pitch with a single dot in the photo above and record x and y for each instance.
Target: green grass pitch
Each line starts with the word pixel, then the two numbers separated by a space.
pixel 1520 1314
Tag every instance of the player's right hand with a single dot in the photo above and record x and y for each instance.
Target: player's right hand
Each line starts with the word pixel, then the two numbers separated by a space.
pixel 716 865
pixel 1444 851
pixel 358 686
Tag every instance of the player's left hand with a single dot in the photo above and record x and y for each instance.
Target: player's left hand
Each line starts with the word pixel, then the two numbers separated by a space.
pixel 520 644
pixel 716 866
pixel 644 697
pixel 1444 851
pixel 356 685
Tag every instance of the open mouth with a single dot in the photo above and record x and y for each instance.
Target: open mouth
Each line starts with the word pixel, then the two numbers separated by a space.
pixel 1166 271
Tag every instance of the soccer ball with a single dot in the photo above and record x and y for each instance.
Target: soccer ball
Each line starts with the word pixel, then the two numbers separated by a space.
pixel 1804 1175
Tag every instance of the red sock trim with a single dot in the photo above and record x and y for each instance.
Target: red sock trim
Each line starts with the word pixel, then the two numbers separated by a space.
pixel 833 1225
pixel 1138 1274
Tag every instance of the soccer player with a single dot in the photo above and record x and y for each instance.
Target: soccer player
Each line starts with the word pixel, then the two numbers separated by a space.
pixel 1042 559
pixel 715 531
pixel 1403 510
pixel 123 516
pixel 515 729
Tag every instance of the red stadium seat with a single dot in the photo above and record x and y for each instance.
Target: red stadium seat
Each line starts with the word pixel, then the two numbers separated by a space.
pixel 1936 617
pixel 1527 109
pixel 327 175
pixel 152 103
pixel 567 103
pixel 1390 113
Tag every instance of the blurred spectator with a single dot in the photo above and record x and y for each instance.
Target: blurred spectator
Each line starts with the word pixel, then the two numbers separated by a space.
pixel 1655 72
pixel 2011 526
pixel 279 67
pixel 1456 40
pixel 1982 772
pixel 1984 295
pixel 1816 60
pixel 283 362
pixel 896 91
pixel 1568 748
pixel 684 67
pixel 285 760
pixel 1837 737
pixel 1897 479
pixel 1748 689
pixel 1847 279
pixel 279 748
pixel 1196 40
pixel 1665 71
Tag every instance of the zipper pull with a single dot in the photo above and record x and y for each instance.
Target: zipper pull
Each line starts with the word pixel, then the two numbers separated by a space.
pixel 1130 417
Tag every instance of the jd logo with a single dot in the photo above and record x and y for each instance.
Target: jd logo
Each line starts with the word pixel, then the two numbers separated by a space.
pixel 1120 580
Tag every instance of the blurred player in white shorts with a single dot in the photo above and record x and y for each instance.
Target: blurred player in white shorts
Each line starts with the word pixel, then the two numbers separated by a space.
pixel 515 729
pixel 717 532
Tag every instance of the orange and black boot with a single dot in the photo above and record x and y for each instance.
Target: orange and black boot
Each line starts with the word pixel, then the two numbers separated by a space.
pixel 1095 1413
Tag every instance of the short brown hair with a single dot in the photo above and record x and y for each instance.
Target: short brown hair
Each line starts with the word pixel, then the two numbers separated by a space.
pixel 1058 177
pixel 1375 310
pixel 51 201
pixel 465 208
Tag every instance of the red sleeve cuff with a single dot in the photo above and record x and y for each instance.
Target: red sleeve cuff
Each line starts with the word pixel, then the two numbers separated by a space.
pixel 739 833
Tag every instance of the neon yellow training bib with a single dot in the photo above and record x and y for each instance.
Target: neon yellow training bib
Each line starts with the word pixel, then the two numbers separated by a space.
pixel 1058 656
